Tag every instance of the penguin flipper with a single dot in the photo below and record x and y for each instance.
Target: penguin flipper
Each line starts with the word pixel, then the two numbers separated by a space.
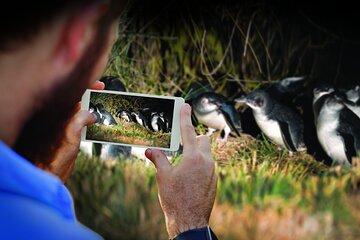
pixel 349 130
pixel 161 125
pixel 232 118
pixel 286 135
pixel 349 144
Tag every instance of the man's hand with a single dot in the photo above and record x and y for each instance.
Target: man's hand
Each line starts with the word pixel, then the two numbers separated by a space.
pixel 187 191
pixel 64 160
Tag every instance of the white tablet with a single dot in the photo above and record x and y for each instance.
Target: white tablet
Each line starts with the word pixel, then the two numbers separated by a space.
pixel 133 119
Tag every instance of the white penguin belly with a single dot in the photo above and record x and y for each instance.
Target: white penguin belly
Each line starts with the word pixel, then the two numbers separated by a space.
pixel 105 151
pixel 140 121
pixel 108 153
pixel 86 148
pixel 126 118
pixel 154 125
pixel 329 139
pixel 212 120
pixel 106 122
pixel 270 128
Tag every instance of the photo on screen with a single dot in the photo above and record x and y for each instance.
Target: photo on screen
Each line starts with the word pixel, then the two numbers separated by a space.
pixel 133 120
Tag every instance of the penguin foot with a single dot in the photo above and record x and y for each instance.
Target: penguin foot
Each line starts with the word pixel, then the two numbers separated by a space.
pixel 210 131
pixel 301 148
pixel 221 140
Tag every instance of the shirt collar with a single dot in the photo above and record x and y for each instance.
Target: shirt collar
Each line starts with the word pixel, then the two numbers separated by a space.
pixel 19 176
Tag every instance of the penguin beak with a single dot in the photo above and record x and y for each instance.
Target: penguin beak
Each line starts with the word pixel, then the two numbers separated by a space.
pixel 339 99
pixel 241 100
pixel 316 91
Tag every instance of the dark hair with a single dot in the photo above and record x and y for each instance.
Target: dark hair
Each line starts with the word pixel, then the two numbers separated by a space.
pixel 21 20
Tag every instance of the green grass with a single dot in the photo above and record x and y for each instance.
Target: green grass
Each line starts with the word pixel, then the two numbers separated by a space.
pixel 129 133
pixel 117 201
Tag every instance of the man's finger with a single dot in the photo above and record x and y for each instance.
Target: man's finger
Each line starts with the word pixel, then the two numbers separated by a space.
pixel 98 85
pixel 204 146
pixel 188 134
pixel 158 158
pixel 81 119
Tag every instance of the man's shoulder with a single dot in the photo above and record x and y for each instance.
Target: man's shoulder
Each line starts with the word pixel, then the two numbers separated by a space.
pixel 23 218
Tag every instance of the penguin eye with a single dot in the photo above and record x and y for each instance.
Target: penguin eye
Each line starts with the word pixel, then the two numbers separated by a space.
pixel 204 101
pixel 260 102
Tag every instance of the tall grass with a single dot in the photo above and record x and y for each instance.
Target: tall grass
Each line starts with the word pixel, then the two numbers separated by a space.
pixel 120 200
pixel 128 133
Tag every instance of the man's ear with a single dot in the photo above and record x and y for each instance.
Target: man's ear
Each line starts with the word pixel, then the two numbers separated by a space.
pixel 77 32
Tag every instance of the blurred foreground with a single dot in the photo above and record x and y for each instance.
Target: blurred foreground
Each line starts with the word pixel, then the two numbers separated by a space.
pixel 262 194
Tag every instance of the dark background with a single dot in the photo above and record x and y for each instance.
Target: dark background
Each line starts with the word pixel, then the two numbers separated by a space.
pixel 327 33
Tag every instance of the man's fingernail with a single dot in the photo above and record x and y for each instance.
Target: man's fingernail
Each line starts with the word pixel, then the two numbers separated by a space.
pixel 94 116
pixel 188 108
pixel 148 153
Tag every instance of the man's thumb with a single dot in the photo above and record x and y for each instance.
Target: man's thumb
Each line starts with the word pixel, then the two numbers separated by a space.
pixel 158 158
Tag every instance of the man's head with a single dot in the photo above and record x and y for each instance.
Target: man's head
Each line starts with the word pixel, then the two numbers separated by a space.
pixel 49 54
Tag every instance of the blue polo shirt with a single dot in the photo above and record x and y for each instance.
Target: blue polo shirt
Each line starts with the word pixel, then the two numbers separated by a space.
pixel 35 204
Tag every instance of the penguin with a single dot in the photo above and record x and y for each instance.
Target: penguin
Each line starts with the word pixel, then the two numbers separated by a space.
pixel 338 130
pixel 297 94
pixel 279 123
pixel 157 123
pixel 217 113
pixel 113 83
pixel 289 87
pixel 353 94
pixel 146 115
pixel 349 104
pixel 321 93
pixel 113 152
pixel 104 151
pixel 319 96
pixel 106 117
pixel 165 120
pixel 192 92
pixel 125 115
pixel 353 107
pixel 133 117
pixel 322 90
pixel 351 98
pixel 142 119
pixel 290 91
pixel 86 148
